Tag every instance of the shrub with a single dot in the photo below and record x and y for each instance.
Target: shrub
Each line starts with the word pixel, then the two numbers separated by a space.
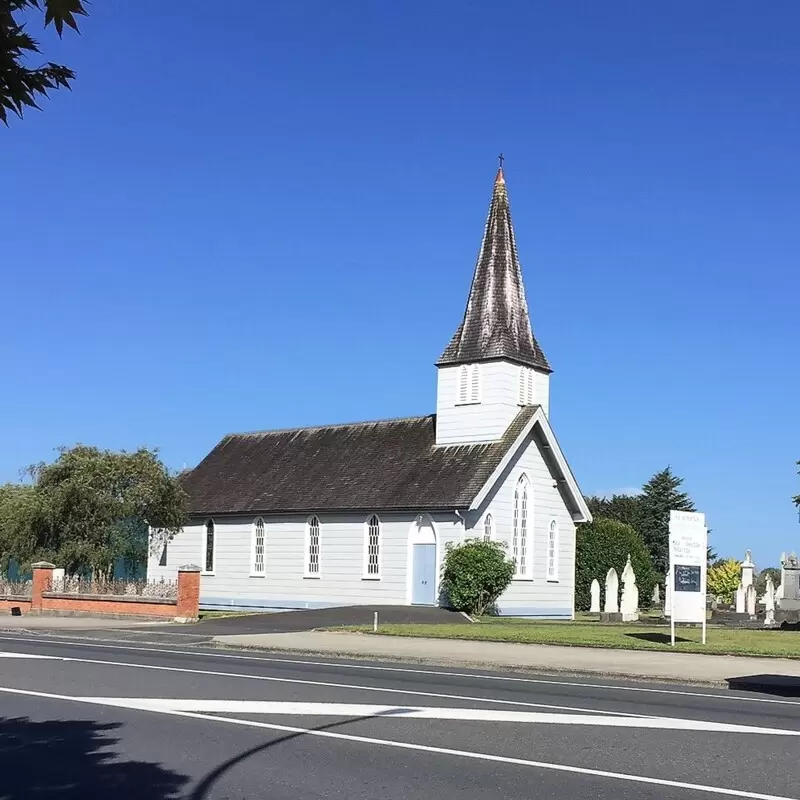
pixel 606 543
pixel 723 579
pixel 476 573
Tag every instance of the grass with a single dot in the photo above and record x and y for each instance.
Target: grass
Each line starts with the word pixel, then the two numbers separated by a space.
pixel 721 641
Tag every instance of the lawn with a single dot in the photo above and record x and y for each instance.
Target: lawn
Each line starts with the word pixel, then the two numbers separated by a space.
pixel 721 641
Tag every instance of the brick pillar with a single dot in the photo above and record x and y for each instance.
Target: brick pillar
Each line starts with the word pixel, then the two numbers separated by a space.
pixel 42 581
pixel 188 609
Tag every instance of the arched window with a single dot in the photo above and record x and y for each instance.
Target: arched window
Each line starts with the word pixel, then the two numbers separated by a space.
pixel 475 384
pixel 372 548
pixel 312 548
pixel 488 528
pixel 520 545
pixel 552 551
pixel 463 385
pixel 209 550
pixel 259 547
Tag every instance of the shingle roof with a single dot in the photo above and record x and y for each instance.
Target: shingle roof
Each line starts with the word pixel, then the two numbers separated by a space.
pixel 365 466
pixel 496 323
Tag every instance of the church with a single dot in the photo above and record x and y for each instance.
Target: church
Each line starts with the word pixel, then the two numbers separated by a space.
pixel 361 513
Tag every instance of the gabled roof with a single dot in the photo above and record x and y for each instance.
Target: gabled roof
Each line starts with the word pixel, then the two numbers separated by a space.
pixel 365 466
pixel 496 323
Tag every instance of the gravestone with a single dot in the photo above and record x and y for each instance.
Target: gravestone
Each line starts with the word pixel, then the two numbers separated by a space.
pixel 595 590
pixel 790 584
pixel 750 595
pixel 748 569
pixel 58 580
pixel 769 603
pixel 739 600
pixel 610 611
pixel 656 596
pixel 630 594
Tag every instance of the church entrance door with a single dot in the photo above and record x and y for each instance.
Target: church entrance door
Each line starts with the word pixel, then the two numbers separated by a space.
pixel 423 591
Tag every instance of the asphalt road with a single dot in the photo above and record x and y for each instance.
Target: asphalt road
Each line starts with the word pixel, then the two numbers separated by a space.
pixel 83 719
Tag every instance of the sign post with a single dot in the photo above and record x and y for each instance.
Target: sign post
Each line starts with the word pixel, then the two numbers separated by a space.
pixel 688 561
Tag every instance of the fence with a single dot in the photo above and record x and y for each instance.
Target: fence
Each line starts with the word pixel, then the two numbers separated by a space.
pixel 44 594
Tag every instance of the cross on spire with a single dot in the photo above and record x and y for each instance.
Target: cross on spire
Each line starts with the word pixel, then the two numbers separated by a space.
pixel 501 158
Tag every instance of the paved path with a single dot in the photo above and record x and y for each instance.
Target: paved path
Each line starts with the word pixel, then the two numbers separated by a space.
pixel 83 719
pixel 636 663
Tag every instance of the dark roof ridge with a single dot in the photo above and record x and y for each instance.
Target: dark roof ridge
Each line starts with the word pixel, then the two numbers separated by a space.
pixel 308 428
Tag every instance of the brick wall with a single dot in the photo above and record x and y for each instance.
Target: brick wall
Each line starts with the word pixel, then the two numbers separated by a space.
pixel 184 608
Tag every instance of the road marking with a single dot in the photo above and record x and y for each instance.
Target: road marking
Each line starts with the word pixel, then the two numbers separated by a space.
pixel 49 639
pixel 30 655
pixel 360 710
pixel 328 684
pixel 523 762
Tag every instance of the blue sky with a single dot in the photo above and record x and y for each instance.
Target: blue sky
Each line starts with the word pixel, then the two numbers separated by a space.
pixel 270 218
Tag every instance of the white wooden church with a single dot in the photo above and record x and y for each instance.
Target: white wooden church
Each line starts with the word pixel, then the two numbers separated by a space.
pixel 361 513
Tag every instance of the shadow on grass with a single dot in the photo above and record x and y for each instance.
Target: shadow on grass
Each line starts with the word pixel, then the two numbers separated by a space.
pixel 780 685
pixel 75 760
pixel 656 638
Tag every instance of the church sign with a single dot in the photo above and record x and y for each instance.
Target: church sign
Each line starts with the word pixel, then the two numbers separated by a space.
pixel 688 561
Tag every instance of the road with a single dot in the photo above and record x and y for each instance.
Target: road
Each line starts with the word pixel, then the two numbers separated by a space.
pixel 83 719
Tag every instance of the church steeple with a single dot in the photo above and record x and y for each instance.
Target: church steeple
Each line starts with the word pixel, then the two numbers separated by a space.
pixel 496 323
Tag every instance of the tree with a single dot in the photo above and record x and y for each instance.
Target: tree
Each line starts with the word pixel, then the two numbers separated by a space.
pixel 21 85
pixel 723 579
pixel 621 507
pixel 796 499
pixel 606 543
pixel 761 579
pixel 90 508
pixel 476 573
pixel 660 495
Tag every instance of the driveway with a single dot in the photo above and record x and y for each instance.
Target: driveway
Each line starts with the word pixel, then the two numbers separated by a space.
pixel 294 621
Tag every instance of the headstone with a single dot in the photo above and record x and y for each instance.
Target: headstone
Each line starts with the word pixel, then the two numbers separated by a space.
pixel 58 579
pixel 748 569
pixel 790 584
pixel 769 603
pixel 612 592
pixel 750 595
pixel 630 594
pixel 656 595
pixel 595 590
pixel 739 600
pixel 668 594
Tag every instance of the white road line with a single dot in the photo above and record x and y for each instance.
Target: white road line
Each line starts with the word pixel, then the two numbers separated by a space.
pixel 411 671
pixel 523 762
pixel 293 708
pixel 332 685
pixel 30 655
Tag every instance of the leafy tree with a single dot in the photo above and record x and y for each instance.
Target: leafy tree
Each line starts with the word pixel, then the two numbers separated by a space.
pixel 621 507
pixel 796 499
pixel 723 578
pixel 90 508
pixel 660 495
pixel 21 85
pixel 476 573
pixel 606 543
pixel 761 579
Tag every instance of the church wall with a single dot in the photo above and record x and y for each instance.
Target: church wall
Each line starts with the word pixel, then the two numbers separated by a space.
pixel 283 585
pixel 477 422
pixel 535 596
pixel 541 391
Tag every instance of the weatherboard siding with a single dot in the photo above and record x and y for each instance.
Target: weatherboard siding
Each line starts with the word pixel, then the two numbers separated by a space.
pixel 485 421
pixel 283 584
pixel 535 596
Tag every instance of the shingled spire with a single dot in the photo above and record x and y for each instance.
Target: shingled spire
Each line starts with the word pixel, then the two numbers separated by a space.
pixel 496 323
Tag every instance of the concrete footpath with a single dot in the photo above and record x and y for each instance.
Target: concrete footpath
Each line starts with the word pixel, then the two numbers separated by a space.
pixel 683 667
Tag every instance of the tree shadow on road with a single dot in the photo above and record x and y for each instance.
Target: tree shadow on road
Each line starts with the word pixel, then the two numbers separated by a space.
pixel 781 685
pixel 75 760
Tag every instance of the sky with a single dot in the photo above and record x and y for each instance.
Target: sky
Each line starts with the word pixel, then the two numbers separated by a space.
pixel 269 217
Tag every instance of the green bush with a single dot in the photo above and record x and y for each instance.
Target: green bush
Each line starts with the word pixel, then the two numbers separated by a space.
pixel 476 573
pixel 606 543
